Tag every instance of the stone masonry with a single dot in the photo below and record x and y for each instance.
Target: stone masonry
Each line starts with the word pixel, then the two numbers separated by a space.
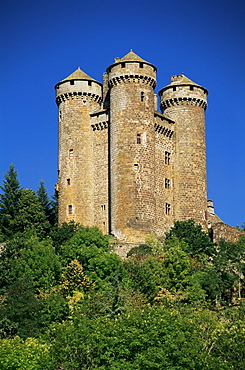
pixel 124 166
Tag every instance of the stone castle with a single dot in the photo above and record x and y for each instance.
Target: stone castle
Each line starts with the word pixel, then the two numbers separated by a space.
pixel 124 166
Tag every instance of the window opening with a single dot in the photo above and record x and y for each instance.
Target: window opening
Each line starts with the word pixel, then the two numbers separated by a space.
pixel 72 82
pixel 142 96
pixel 70 211
pixel 103 207
pixel 68 181
pixel 167 183
pixel 141 65
pixel 174 88
pixel 191 87
pixel 70 153
pixel 122 65
pixel 167 208
pixel 167 158
pixel 89 83
pixel 138 139
pixel 136 166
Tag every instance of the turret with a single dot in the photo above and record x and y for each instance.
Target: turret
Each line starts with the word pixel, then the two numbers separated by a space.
pixel 132 143
pixel 77 96
pixel 185 102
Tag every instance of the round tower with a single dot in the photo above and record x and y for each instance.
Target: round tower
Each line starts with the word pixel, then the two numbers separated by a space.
pixel 132 81
pixel 77 96
pixel 185 102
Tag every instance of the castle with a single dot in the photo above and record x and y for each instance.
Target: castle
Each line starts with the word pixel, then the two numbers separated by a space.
pixel 124 166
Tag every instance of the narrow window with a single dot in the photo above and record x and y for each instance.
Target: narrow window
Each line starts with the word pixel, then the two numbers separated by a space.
pixel 142 96
pixel 72 82
pixel 103 207
pixel 174 88
pixel 136 166
pixel 70 154
pixel 122 65
pixel 167 158
pixel 167 184
pixel 70 209
pixel 68 181
pixel 60 114
pixel 141 65
pixel 192 88
pixel 167 208
pixel 138 139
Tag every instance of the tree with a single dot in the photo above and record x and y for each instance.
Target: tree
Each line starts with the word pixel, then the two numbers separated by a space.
pixel 17 354
pixel 50 207
pixel 9 200
pixel 30 214
pixel 42 196
pixel 197 241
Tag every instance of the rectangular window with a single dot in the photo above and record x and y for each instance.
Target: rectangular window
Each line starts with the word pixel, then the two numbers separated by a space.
pixel 142 96
pixel 122 65
pixel 167 158
pixel 136 166
pixel 138 139
pixel 167 208
pixel 141 65
pixel 68 181
pixel 89 83
pixel 103 207
pixel 70 211
pixel 72 82
pixel 70 153
pixel 167 183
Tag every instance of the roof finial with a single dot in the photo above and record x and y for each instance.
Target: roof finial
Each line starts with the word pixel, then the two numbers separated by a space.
pixel 131 49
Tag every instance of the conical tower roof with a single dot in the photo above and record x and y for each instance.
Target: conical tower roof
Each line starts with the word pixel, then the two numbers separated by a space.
pixel 181 79
pixel 78 74
pixel 130 57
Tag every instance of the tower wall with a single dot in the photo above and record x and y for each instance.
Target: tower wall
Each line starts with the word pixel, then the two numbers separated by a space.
pixel 164 143
pixel 76 100
pixel 101 187
pixel 132 150
pixel 186 104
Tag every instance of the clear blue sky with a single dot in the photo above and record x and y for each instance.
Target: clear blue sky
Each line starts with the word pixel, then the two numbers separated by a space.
pixel 42 42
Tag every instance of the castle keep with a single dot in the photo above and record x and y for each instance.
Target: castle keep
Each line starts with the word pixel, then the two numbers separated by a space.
pixel 124 166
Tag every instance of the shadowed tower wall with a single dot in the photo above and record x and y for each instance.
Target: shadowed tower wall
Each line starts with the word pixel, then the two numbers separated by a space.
pixel 185 102
pixel 76 96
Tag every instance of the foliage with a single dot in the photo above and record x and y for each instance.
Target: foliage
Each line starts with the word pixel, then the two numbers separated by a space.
pixel 30 214
pixel 197 241
pixel 11 191
pixel 24 355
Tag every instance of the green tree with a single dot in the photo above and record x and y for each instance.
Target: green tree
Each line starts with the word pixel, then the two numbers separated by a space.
pixel 11 192
pixel 30 214
pixel 197 241
pixel 43 198
pixel 20 306
pixel 19 354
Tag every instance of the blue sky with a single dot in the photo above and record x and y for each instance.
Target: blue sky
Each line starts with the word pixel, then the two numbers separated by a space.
pixel 43 42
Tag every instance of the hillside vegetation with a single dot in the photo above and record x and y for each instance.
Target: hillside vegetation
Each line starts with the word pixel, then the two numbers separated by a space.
pixel 67 301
